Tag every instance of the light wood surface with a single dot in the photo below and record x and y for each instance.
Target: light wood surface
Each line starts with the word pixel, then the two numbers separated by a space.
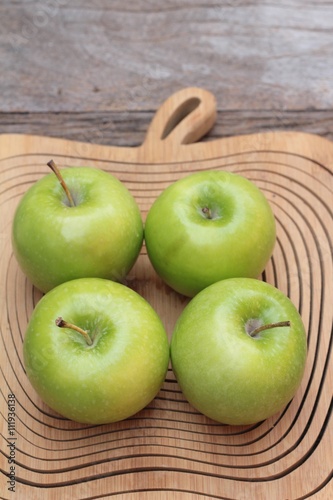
pixel 168 450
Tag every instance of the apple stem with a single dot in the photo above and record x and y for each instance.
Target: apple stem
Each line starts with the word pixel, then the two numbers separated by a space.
pixel 207 212
pixel 64 324
pixel 56 170
pixel 268 327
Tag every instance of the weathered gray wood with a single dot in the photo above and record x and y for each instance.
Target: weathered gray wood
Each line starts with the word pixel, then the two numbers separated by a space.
pixel 90 56
pixel 129 128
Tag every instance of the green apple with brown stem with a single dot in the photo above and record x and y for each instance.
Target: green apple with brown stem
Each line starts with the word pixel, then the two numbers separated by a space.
pixel 239 350
pixel 86 225
pixel 95 351
pixel 209 226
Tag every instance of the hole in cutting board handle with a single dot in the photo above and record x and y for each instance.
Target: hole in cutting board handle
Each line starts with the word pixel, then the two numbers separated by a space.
pixel 184 118
pixel 179 114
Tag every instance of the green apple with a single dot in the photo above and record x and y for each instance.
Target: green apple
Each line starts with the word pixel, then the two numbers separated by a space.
pixel 109 359
pixel 99 236
pixel 209 226
pixel 239 350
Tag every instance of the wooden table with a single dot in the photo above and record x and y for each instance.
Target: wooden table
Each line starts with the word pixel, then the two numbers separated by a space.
pixel 96 72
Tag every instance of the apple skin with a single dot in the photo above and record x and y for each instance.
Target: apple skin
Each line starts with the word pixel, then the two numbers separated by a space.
pixel 100 237
pixel 190 251
pixel 115 377
pixel 225 373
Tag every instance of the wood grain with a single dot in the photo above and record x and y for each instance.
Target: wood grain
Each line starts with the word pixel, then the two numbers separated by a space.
pixel 128 128
pixel 169 451
pixel 96 71
pixel 98 56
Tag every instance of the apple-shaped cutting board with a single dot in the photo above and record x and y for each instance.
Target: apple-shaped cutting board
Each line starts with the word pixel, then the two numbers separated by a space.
pixel 169 451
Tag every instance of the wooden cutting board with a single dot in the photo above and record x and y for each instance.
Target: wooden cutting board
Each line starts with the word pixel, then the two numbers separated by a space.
pixel 169 451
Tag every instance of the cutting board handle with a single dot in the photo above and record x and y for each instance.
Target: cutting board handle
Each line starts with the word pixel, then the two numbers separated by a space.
pixel 183 118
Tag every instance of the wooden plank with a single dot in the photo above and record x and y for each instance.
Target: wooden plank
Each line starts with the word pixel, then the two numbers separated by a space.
pixel 108 56
pixel 128 128
pixel 169 450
